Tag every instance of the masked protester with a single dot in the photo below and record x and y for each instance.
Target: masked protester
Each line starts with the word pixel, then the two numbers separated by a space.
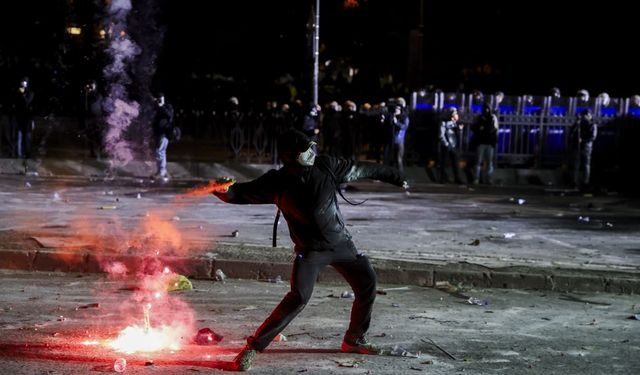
pixel 304 189
pixel 583 133
pixel 23 114
pixel 162 130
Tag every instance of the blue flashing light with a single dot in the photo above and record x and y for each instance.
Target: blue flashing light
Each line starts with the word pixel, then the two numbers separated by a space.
pixel 635 112
pixel 529 109
pixel 506 108
pixel 424 106
pixel 555 131
pixel 608 112
pixel 582 109
pixel 558 110
pixel 475 108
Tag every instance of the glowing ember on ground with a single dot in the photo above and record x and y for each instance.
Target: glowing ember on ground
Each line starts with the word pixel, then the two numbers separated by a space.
pixel 136 338
pixel 146 338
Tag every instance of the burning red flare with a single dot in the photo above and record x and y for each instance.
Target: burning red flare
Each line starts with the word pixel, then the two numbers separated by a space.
pixel 211 187
pixel 146 338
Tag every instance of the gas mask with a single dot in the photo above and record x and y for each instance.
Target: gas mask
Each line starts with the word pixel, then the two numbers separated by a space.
pixel 307 158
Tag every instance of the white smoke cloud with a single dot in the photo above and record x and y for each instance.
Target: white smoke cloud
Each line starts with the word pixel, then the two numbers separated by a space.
pixel 120 110
pixel 120 6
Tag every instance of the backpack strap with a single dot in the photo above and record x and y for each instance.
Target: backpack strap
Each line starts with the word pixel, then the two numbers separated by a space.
pixel 326 168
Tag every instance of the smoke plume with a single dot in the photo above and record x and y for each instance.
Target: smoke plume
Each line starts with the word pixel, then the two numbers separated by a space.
pixel 120 110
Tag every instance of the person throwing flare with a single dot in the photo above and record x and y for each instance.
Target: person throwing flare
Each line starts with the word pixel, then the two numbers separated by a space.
pixel 304 189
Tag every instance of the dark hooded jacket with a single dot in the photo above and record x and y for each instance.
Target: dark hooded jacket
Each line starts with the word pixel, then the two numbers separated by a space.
pixel 307 198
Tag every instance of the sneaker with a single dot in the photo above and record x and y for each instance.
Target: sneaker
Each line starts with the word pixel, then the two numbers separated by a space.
pixel 160 177
pixel 361 346
pixel 242 362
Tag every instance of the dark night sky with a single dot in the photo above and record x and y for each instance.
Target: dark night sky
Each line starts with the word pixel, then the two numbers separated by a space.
pixel 533 46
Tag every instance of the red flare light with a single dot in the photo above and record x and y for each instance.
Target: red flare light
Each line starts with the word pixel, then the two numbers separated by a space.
pixel 211 187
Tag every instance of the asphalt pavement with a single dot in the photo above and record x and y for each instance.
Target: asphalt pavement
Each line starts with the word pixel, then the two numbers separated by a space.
pixel 69 217
pixel 66 323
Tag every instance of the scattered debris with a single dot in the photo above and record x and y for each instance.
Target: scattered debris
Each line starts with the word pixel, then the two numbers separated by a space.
pixel 347 294
pixel 421 316
pixel 220 276
pixel 280 337
pixel 608 225
pixel 475 242
pixel 276 280
pixel 429 362
pixel 635 317
pixel 178 282
pixel 493 228
pixel 521 201
pixel 479 302
pixel 349 362
pixel 56 197
pixel 207 336
pixel 584 219
pixel 176 218
pixel 107 207
pixel 88 306
pixel 149 363
pixel 385 290
pixel 27 184
pixel 235 233
pixel 429 341
pixel 395 305
pixel 509 235
pixel 120 365
pixel 250 307
pixel 139 196
pixel 415 368
pixel 569 297
pixel 400 352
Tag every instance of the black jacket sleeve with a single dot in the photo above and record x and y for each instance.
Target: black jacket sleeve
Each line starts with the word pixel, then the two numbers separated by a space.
pixel 263 190
pixel 348 170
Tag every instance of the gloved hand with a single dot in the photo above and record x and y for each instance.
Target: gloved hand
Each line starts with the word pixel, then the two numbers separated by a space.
pixel 220 185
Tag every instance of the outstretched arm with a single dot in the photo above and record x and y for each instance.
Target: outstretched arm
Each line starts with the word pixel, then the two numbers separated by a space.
pixel 348 170
pixel 262 190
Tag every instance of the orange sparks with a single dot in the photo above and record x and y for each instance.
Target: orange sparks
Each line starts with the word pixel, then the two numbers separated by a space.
pixel 350 4
pixel 211 187
pixel 134 339
pixel 146 338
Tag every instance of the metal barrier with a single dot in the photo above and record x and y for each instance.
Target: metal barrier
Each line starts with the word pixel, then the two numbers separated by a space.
pixel 532 130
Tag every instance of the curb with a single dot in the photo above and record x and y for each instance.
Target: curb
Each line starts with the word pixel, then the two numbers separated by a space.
pixel 389 272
